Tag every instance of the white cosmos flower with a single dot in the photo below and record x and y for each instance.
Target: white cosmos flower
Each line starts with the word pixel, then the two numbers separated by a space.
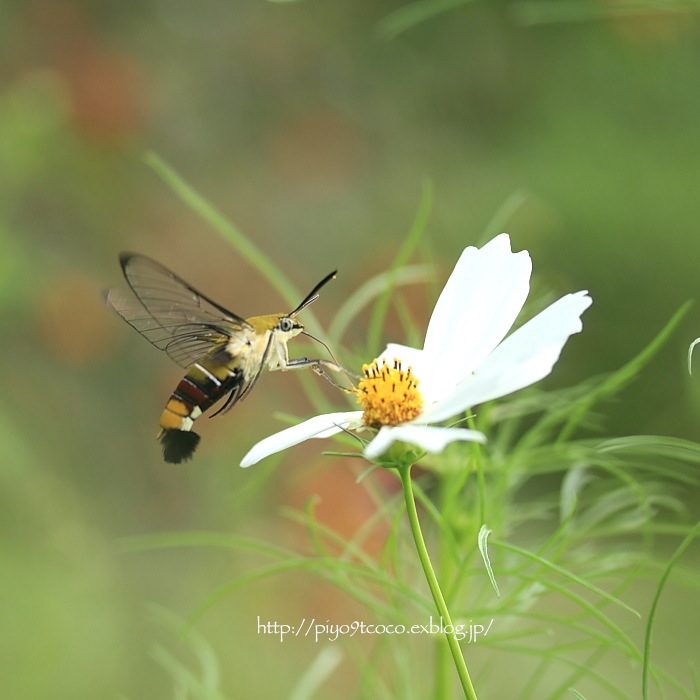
pixel 465 360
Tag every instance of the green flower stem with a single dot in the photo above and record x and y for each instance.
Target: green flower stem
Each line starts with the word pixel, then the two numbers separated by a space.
pixel 455 650
pixel 443 671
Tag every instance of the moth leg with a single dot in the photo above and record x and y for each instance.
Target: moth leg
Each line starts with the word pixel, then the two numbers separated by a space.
pixel 320 367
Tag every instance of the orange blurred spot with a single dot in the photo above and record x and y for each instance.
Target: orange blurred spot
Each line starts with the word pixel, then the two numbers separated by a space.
pixel 105 89
pixel 105 85
pixel 648 27
pixel 343 505
pixel 73 322
pixel 319 153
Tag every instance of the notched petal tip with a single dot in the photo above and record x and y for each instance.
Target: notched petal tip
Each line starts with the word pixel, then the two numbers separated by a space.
pixel 526 356
pixel 477 307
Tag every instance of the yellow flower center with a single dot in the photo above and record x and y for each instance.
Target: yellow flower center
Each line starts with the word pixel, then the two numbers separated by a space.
pixel 388 394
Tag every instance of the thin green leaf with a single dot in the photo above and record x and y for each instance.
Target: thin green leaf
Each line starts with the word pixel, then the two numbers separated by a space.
pixel 567 574
pixel 187 682
pixel 484 533
pixel 196 642
pixel 573 414
pixel 413 14
pixel 573 483
pixel 593 675
pixel 371 289
pixel 623 376
pixel 231 234
pixel 695 532
pixel 321 668
pixel 502 217
pixel 250 252
pixel 405 251
pixel 690 355
pixel 653 447
pixel 326 569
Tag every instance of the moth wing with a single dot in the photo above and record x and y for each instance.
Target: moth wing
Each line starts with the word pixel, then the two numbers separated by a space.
pixel 171 314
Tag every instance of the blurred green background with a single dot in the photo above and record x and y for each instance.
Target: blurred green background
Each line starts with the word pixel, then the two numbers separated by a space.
pixel 314 126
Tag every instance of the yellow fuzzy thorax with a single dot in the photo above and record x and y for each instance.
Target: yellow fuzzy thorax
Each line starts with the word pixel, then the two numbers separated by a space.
pixel 265 323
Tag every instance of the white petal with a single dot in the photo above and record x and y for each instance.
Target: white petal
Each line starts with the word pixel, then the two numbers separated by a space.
pixel 420 365
pixel 317 427
pixel 523 358
pixel 410 357
pixel 477 307
pixel 430 438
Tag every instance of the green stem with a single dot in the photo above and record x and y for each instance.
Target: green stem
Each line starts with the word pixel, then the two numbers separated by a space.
pixel 442 653
pixel 453 644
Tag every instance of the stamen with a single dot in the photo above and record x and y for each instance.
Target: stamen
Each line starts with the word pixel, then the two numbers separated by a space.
pixel 394 398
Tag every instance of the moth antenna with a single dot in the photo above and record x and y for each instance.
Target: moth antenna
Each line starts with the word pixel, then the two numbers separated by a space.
pixel 313 294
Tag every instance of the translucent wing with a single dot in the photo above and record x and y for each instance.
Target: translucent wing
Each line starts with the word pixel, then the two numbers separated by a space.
pixel 171 314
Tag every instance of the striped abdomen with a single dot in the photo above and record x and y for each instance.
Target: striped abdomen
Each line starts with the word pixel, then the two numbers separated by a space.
pixel 204 384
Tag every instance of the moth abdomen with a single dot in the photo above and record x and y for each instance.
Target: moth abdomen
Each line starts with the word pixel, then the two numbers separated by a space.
pixel 197 391
pixel 178 445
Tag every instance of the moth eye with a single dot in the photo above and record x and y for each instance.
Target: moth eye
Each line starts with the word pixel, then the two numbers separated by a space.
pixel 286 325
